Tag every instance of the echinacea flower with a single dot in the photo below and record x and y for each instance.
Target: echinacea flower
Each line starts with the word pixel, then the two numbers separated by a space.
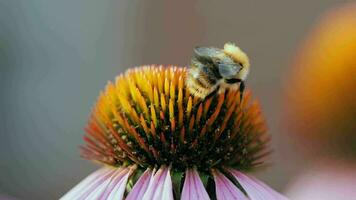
pixel 322 101
pixel 322 108
pixel 157 141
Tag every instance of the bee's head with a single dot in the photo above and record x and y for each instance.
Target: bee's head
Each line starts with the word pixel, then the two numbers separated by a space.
pixel 230 61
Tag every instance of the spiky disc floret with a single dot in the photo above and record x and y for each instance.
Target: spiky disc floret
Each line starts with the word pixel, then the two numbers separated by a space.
pixel 147 117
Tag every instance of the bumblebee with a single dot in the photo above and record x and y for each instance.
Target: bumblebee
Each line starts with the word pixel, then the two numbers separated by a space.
pixel 213 70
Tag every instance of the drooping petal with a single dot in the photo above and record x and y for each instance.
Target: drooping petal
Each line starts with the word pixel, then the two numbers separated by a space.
pixel 116 188
pixel 141 186
pixel 193 188
pixel 88 184
pixel 225 189
pixel 160 187
pixel 106 183
pixel 99 190
pixel 256 189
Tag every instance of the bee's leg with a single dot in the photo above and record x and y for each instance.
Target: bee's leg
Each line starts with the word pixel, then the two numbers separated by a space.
pixel 213 92
pixel 236 80
pixel 242 88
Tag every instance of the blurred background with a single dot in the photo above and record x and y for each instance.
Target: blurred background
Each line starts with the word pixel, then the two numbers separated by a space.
pixel 55 57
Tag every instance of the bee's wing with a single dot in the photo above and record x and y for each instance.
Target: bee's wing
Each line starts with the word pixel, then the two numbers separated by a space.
pixel 206 53
pixel 229 70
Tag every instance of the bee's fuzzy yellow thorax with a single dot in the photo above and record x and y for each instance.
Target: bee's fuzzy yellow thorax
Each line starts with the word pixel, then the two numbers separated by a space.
pixel 237 54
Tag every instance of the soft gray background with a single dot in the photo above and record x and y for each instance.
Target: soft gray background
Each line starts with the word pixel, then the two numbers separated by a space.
pixel 56 55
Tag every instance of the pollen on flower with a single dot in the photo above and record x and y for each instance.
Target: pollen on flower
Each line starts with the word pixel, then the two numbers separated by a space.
pixel 148 118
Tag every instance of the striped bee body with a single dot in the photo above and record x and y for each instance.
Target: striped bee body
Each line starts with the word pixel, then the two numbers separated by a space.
pixel 213 70
pixel 202 79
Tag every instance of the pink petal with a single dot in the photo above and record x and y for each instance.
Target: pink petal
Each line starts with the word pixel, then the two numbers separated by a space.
pixel 193 188
pixel 117 186
pixel 256 189
pixel 86 186
pixel 225 189
pixel 160 186
pixel 107 183
pixel 141 186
